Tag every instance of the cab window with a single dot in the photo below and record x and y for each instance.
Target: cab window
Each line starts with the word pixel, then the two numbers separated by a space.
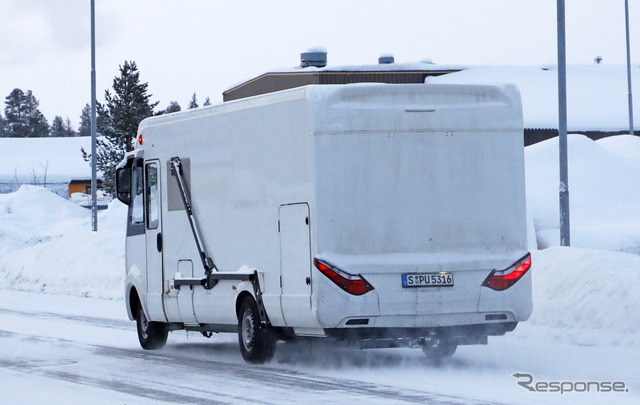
pixel 135 220
pixel 136 213
pixel 151 192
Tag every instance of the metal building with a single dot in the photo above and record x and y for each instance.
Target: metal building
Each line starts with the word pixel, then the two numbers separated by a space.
pixel 313 70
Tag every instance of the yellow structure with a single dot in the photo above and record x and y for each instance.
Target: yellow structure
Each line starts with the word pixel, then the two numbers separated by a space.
pixel 81 186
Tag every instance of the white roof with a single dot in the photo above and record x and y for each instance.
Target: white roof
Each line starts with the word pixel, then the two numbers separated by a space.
pixel 596 94
pixel 60 159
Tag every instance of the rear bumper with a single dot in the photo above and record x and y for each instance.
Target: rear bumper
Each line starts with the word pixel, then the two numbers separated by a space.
pixel 466 334
pixel 427 321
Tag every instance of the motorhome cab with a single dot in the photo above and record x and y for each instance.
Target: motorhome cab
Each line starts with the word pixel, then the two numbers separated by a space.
pixel 378 215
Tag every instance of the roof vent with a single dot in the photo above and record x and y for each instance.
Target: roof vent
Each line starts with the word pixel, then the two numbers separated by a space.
pixel 316 57
pixel 386 59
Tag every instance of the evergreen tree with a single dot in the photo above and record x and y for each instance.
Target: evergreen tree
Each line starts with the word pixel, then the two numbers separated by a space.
pixel 85 121
pixel 118 121
pixel 38 125
pixel 24 119
pixel 173 107
pixel 3 126
pixel 61 128
pixel 194 102
pixel 207 102
pixel 15 111
pixel 68 129
pixel 57 127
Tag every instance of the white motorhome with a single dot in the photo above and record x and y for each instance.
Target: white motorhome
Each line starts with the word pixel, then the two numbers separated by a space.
pixel 379 215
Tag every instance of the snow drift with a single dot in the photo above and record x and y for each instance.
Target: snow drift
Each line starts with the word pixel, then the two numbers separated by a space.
pixel 604 192
pixel 47 245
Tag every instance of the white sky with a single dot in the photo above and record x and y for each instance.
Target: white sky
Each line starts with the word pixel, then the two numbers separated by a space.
pixel 206 46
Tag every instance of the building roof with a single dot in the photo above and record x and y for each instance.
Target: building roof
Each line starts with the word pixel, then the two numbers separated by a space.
pixel 597 95
pixel 282 79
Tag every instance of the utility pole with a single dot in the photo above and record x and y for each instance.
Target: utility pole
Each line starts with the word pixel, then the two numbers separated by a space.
pixel 565 238
pixel 94 181
pixel 626 17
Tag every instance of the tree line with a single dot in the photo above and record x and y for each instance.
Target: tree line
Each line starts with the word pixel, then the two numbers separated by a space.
pixel 23 119
pixel 117 119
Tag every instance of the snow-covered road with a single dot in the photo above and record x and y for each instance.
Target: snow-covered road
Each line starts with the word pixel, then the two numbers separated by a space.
pixel 56 349
pixel 67 350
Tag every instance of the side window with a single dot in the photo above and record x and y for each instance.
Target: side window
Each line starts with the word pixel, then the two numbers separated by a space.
pixel 152 195
pixel 136 213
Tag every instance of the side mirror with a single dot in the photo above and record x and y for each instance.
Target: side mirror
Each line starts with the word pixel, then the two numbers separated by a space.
pixel 123 184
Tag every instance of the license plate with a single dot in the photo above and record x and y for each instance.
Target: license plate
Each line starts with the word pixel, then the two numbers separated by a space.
pixel 427 280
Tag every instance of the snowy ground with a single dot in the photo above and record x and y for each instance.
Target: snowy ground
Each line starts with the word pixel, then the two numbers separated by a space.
pixel 64 327
pixel 75 350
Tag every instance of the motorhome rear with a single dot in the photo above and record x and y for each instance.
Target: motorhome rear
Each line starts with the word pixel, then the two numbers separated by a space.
pixel 378 215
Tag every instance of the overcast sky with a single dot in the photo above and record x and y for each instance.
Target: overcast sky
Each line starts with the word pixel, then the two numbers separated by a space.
pixel 206 46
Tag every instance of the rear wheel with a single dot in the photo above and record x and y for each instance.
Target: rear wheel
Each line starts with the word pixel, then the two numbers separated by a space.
pixel 257 342
pixel 152 335
pixel 442 349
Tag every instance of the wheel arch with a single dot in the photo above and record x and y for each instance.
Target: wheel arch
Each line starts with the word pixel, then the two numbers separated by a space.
pixel 133 301
pixel 133 292
pixel 241 297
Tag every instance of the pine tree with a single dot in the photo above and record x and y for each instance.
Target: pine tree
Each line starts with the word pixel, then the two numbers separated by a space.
pixel 24 119
pixel 38 125
pixel 68 129
pixel 85 121
pixel 118 121
pixel 173 107
pixel 194 102
pixel 207 102
pixel 15 111
pixel 57 127
pixel 3 126
pixel 61 128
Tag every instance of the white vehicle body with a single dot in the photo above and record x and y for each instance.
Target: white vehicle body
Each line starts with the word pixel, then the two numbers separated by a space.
pixel 371 181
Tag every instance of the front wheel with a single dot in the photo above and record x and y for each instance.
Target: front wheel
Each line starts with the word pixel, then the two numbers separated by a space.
pixel 152 335
pixel 257 343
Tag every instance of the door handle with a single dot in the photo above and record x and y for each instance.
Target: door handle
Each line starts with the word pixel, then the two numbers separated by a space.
pixel 308 280
pixel 159 242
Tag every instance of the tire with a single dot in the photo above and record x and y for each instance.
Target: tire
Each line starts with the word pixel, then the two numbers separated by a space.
pixel 152 335
pixel 441 350
pixel 257 343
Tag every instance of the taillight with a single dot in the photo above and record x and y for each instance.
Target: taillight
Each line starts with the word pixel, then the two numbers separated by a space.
pixel 500 280
pixel 354 285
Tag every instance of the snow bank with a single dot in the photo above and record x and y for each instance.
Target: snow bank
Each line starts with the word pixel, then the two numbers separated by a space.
pixel 604 192
pixel 47 245
pixel 591 294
